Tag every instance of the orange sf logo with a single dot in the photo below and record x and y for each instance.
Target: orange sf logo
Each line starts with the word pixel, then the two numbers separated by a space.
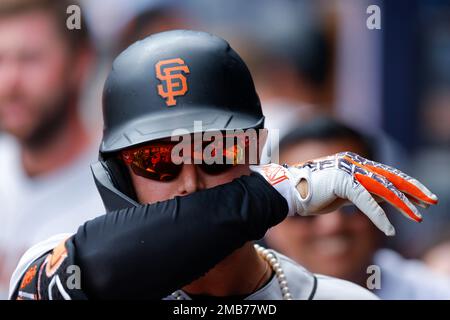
pixel 174 84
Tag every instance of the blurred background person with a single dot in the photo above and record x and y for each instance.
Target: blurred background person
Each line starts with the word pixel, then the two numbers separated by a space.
pixel 344 243
pixel 46 186
pixel 159 17
pixel 437 257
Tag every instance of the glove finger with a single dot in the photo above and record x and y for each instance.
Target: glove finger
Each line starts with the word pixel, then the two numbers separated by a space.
pixel 401 180
pixel 367 204
pixel 383 188
pixel 417 202
pixel 405 183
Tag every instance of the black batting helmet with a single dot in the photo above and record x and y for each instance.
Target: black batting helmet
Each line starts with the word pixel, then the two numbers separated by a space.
pixel 166 82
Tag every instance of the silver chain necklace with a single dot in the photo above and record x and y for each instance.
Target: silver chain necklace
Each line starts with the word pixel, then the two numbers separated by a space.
pixel 274 264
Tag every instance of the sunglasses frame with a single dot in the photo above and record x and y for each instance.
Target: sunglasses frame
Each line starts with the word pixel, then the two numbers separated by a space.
pixel 128 157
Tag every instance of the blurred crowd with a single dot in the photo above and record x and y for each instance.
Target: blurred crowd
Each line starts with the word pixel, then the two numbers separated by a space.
pixel 326 81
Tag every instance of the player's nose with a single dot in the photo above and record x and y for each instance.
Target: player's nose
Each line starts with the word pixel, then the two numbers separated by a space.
pixel 190 180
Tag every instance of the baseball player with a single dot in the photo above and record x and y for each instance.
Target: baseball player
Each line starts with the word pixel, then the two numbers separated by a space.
pixel 157 90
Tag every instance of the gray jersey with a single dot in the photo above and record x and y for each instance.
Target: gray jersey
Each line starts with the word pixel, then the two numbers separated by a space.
pixel 302 283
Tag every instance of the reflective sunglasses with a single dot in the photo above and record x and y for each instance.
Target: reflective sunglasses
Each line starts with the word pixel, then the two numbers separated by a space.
pixel 159 161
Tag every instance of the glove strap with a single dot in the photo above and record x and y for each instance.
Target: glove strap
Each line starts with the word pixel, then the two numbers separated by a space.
pixel 285 180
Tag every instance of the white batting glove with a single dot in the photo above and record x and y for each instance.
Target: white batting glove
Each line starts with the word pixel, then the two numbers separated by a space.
pixel 322 185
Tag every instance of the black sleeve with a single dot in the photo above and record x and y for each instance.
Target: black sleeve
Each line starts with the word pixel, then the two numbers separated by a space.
pixel 149 251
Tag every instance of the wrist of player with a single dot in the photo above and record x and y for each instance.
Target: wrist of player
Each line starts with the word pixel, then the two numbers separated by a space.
pixel 292 183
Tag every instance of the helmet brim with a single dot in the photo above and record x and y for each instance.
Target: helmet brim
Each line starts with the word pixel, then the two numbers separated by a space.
pixel 175 123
